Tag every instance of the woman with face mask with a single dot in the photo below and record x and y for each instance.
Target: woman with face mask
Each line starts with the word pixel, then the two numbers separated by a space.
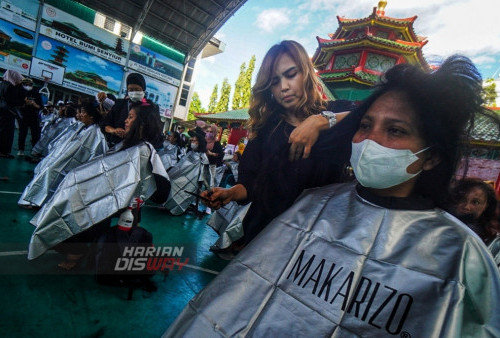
pixel 187 175
pixel 379 257
pixel 113 124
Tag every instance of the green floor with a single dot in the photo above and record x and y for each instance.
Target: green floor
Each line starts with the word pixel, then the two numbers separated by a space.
pixel 39 300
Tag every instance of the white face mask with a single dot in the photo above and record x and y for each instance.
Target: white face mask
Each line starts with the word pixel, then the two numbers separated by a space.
pixel 136 96
pixel 379 167
pixel 194 146
pixel 28 88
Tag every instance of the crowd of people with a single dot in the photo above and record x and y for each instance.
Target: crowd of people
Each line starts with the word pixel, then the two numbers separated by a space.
pixel 320 250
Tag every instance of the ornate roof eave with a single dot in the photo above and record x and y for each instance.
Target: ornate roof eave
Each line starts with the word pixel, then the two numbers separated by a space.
pixel 381 18
pixel 349 77
pixel 372 40
pixel 329 47
pixel 495 144
pixel 405 24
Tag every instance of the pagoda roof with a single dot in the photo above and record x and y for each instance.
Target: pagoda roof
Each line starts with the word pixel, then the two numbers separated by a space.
pixel 382 20
pixel 371 40
pixel 230 115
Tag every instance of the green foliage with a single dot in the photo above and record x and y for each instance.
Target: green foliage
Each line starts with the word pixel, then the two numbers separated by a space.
pixel 195 107
pixel 225 91
pixel 238 86
pixel 212 105
pixel 490 94
pixel 225 136
pixel 246 89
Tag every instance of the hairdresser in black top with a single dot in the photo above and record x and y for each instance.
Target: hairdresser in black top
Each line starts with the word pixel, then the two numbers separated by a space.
pixel 113 124
pixel 288 112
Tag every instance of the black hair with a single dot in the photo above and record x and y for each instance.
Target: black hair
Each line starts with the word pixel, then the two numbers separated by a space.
pixel 465 185
pixel 199 134
pixel 145 128
pixel 90 107
pixel 446 102
pixel 70 111
pixel 177 137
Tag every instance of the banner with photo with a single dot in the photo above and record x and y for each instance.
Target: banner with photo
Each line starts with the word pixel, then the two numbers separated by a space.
pixel 161 93
pixel 20 12
pixel 155 64
pixel 85 72
pixel 16 46
pixel 77 33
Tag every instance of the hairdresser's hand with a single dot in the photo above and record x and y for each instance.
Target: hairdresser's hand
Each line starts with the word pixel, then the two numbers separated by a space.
pixel 305 135
pixel 218 197
pixel 101 96
pixel 120 132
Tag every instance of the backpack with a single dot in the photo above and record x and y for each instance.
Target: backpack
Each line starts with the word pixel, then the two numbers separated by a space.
pixel 113 266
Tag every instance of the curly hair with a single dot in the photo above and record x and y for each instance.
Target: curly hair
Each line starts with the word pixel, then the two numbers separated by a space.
pixel 262 104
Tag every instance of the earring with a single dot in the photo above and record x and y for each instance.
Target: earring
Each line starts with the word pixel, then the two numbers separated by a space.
pixel 272 97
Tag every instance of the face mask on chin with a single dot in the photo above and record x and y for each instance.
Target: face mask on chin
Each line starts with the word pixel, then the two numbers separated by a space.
pixel 379 167
pixel 28 88
pixel 136 96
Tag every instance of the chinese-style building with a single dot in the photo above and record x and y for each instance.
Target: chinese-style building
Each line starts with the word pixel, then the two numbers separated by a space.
pixel 361 50
pixel 352 61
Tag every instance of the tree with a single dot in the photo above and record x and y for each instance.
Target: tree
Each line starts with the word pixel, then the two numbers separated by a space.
pixel 238 86
pixel 212 105
pixel 195 107
pixel 246 89
pixel 490 93
pixel 225 91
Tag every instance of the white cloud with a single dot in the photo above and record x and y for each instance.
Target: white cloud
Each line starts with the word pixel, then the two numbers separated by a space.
pixel 116 83
pixel 318 5
pixel 94 60
pixel 270 19
pixel 483 59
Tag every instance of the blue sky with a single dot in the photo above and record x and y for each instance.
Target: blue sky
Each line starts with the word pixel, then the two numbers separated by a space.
pixel 469 27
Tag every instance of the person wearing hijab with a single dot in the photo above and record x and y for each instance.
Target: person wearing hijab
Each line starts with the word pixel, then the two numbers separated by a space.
pixel 10 99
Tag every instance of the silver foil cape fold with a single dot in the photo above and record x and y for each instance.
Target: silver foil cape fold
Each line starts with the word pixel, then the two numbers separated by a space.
pixel 228 223
pixel 185 175
pixel 85 144
pixel 50 131
pixel 168 155
pixel 494 248
pixel 93 192
pixel 335 265
pixel 234 169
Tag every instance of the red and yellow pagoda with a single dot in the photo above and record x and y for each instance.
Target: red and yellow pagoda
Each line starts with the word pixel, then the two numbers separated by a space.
pixel 356 55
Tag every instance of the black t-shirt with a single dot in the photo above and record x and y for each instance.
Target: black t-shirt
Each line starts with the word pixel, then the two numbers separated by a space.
pixel 273 183
pixel 29 111
pixel 219 159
